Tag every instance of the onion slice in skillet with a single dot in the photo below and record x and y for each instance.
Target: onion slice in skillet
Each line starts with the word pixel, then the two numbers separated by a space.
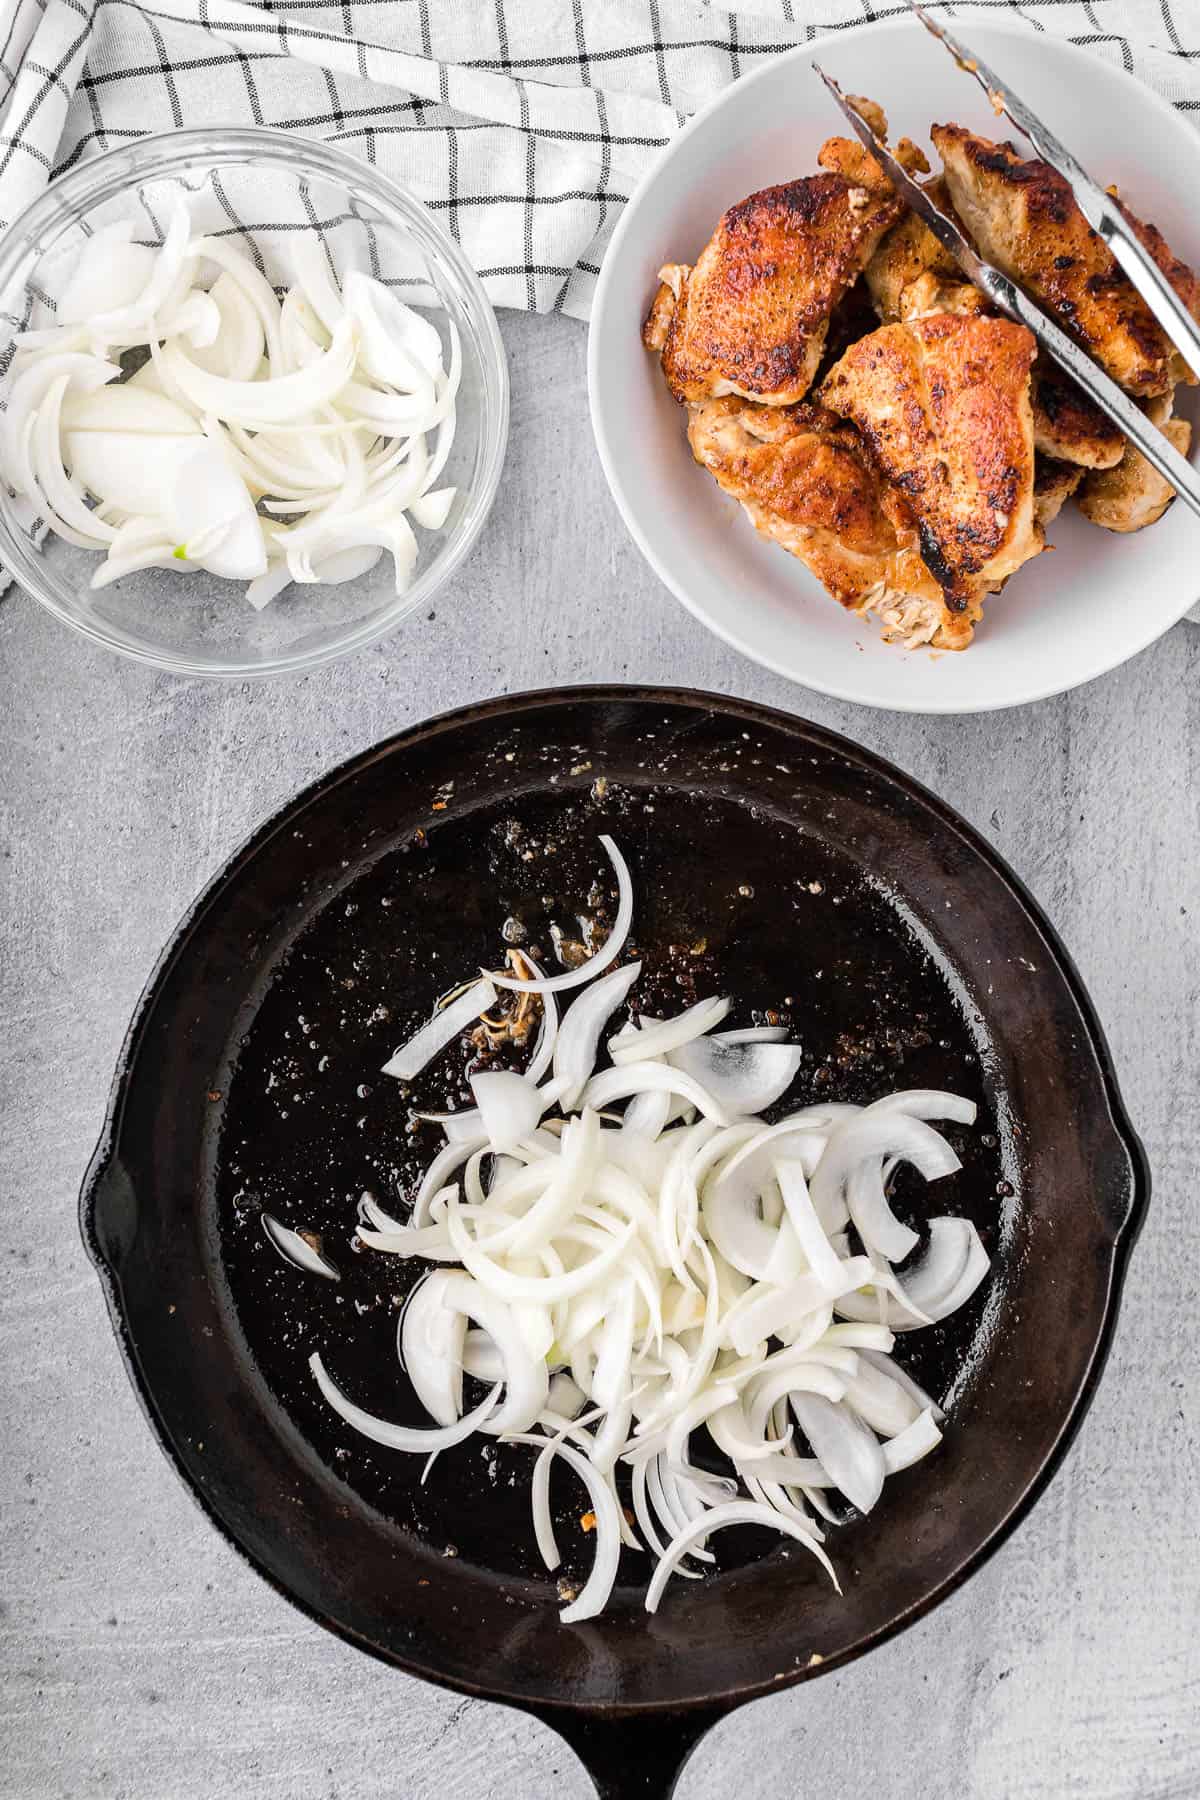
pixel 608 952
pixel 295 1248
pixel 733 1512
pixel 593 1597
pixel 579 1033
pixel 400 1437
pixel 446 1025
pixel 744 1078
pixel 431 1337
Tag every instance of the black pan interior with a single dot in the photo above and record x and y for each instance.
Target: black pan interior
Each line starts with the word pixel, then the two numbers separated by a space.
pixel 771 862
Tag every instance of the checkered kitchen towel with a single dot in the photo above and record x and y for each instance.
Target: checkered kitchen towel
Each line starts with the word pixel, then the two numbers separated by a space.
pixel 524 123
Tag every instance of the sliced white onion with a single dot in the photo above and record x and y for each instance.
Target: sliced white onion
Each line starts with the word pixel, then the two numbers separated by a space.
pixel 765 1309
pixel 400 1437
pixel 547 1039
pixel 731 1197
pixel 431 1339
pixel 882 1403
pixel 208 512
pixel 295 1248
pixel 432 510
pixel 126 409
pixel 926 1103
pixel 399 344
pixel 578 1157
pixel 526 1377
pixel 874 1220
pixel 130 322
pixel 579 1034
pixel 110 274
pixel 28 392
pixel 546 1288
pixel 822 1258
pixel 641 1078
pixel 875 1354
pixel 845 1447
pixel 954 1264
pixel 446 1163
pixel 608 951
pixel 593 1597
pixel 647 1114
pixel 446 1025
pixel 734 1512
pixel 611 1388
pixel 239 343
pixel 870 1134
pixel 664 1035
pixel 744 1078
pixel 482 1359
pixel 509 1106
pixel 63 501
pixel 259 403
pixel 910 1445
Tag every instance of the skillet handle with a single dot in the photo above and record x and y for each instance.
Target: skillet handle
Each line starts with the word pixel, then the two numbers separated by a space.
pixel 633 1759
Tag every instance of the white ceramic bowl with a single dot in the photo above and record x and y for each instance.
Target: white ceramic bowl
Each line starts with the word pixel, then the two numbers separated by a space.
pixel 1066 617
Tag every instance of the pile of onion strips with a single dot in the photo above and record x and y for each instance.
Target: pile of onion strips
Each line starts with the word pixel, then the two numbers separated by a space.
pixel 620 1280
pixel 264 440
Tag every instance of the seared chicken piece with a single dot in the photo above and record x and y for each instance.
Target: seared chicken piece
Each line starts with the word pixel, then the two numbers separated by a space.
pixel 1133 495
pixel 751 317
pixel 943 405
pixel 911 273
pixel 1182 279
pixel 804 480
pixel 1023 218
pixel 1053 484
pixel 1067 426
pixel 851 158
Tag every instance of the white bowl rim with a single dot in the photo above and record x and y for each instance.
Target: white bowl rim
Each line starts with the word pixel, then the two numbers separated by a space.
pixel 830 41
pixel 86 181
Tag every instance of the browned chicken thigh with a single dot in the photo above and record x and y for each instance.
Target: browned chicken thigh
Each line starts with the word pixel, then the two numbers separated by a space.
pixel 1133 494
pixel 1024 219
pixel 805 481
pixel 942 404
pixel 911 273
pixel 751 317
pixel 1067 426
pixel 1053 484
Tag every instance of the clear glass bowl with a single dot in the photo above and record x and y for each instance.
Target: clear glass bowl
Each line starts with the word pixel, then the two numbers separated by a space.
pixel 258 189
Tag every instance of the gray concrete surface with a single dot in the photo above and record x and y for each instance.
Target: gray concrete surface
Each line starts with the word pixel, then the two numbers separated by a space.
pixel 140 1659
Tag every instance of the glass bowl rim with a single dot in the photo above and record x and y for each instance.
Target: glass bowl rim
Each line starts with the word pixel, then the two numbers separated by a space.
pixel 172 153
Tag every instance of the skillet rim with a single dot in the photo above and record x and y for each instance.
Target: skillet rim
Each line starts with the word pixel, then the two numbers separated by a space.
pixel 1119 1243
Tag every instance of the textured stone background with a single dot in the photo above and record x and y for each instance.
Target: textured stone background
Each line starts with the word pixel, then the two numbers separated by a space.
pixel 139 1659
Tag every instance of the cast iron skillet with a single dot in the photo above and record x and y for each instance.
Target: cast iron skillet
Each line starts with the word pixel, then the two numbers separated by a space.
pixel 772 860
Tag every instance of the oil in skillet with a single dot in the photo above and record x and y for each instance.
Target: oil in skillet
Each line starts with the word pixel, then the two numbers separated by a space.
pixel 727 902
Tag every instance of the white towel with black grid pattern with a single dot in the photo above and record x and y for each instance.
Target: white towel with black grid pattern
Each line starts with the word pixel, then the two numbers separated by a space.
pixel 524 123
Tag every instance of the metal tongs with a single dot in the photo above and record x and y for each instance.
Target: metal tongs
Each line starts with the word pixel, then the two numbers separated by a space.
pixel 1102 214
